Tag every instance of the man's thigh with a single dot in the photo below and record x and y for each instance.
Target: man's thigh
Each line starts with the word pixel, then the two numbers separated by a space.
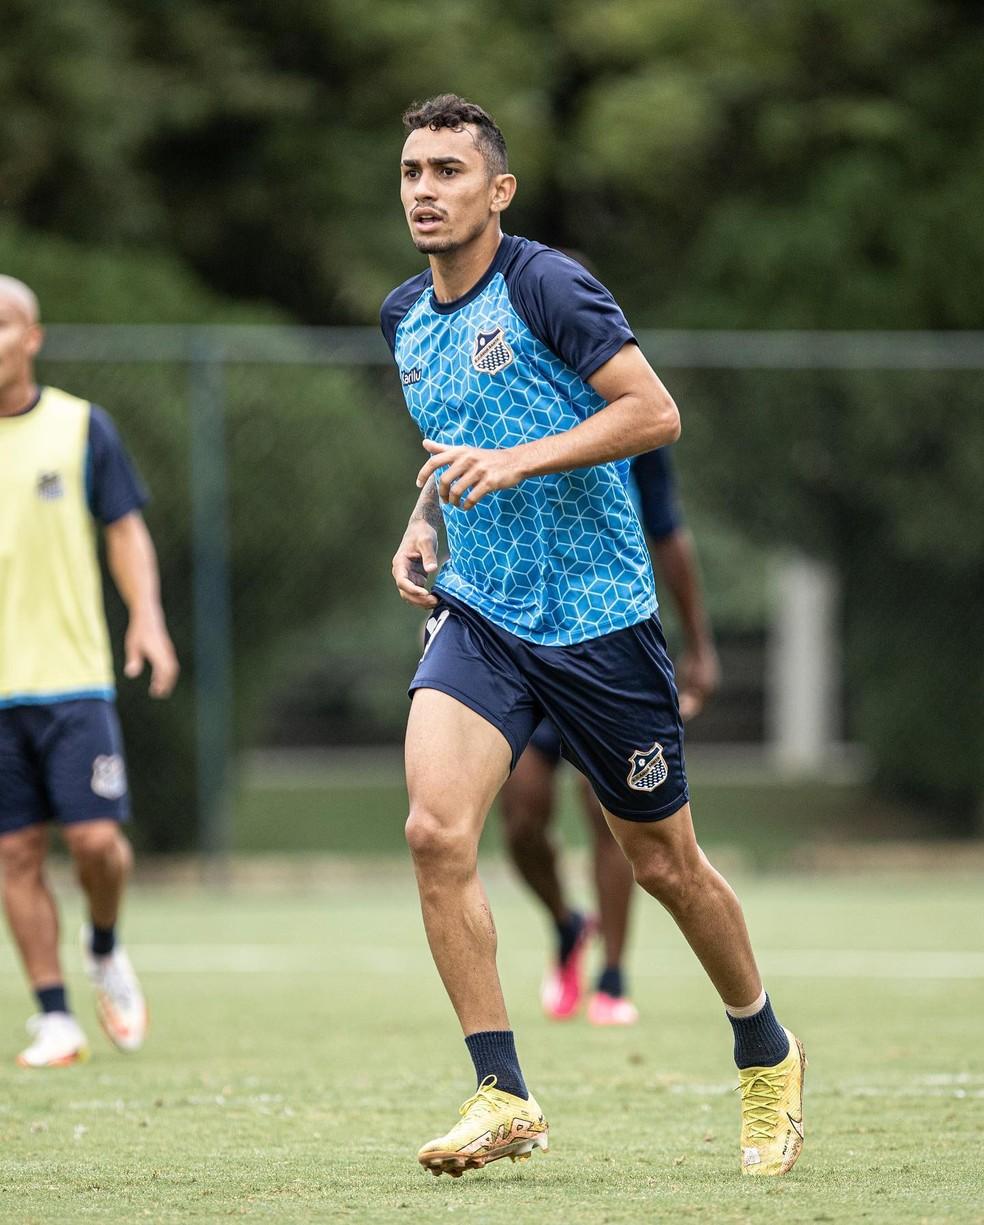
pixel 456 760
pixel 614 702
pixel 671 840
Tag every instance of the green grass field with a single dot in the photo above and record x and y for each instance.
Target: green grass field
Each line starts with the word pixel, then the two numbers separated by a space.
pixel 302 1049
pixel 360 811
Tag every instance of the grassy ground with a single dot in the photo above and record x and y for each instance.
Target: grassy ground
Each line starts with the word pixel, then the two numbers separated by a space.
pixel 302 1050
pixel 760 819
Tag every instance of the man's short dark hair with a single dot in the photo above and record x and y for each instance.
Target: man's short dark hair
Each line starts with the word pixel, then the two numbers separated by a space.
pixel 450 111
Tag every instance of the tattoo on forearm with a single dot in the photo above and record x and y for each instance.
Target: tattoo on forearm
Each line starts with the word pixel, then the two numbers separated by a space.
pixel 428 507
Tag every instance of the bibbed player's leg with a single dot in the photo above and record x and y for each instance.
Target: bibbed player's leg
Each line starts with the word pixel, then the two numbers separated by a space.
pixel 669 864
pixel 456 762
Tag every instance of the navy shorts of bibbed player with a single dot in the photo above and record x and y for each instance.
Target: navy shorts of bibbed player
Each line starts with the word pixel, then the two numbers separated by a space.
pixel 612 700
pixel 61 761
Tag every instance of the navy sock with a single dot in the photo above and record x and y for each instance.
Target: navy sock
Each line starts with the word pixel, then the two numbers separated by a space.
pixel 568 934
pixel 52 999
pixel 611 981
pixel 103 941
pixel 760 1041
pixel 493 1053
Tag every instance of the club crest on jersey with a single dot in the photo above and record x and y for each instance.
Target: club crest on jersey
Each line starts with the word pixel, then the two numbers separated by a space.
pixel 492 352
pixel 647 768
pixel 109 777
pixel 50 486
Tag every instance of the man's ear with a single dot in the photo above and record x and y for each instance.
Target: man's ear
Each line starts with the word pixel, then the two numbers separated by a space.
pixel 34 339
pixel 503 190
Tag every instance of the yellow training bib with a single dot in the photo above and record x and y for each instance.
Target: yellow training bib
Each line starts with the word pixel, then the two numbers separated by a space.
pixel 54 644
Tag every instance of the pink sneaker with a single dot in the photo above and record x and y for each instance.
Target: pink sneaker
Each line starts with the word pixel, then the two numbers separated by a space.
pixel 611 1010
pixel 563 988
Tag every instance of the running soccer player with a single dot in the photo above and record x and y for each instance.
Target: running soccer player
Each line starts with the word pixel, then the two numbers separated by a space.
pixel 530 393
pixel 62 466
pixel 527 799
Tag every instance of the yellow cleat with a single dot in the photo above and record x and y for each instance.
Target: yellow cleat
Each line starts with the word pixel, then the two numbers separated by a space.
pixel 772 1113
pixel 493 1125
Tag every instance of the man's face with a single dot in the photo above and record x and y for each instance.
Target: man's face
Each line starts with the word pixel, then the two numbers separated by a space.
pixel 20 340
pixel 446 190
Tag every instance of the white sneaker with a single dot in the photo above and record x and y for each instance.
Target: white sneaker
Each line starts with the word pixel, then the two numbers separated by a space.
pixel 58 1042
pixel 120 1004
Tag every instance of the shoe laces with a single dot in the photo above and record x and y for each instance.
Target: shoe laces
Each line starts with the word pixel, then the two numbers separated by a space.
pixel 481 1101
pixel 759 1102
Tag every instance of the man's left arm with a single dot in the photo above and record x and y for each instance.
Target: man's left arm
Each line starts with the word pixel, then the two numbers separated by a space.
pixel 133 564
pixel 639 415
pixel 698 670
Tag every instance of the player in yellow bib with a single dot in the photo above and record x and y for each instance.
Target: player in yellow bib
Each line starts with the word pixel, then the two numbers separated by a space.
pixel 63 470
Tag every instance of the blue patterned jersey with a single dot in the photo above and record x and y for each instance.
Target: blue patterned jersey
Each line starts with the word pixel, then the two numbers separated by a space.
pixel 561 558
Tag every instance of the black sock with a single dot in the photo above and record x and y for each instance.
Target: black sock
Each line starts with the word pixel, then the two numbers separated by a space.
pixel 52 999
pixel 760 1041
pixel 493 1053
pixel 568 934
pixel 103 941
pixel 611 981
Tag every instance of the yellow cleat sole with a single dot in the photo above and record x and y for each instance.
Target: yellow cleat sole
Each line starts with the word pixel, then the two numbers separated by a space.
pixel 67 1061
pixel 456 1164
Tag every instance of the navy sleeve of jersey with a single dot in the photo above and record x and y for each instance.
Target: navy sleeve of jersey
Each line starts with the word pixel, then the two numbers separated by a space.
pixel 570 311
pixel 113 485
pixel 659 510
pixel 397 303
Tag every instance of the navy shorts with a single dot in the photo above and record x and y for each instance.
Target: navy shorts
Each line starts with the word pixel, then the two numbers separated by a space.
pixel 612 700
pixel 546 741
pixel 61 761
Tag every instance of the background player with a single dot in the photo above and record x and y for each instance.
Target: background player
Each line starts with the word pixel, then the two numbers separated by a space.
pixel 62 466
pixel 528 387
pixel 527 800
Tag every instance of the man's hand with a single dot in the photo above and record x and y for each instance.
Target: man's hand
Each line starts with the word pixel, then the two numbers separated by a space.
pixel 475 471
pixel 415 561
pixel 698 676
pixel 147 641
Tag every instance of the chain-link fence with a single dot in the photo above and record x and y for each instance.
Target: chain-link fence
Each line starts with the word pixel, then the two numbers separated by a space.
pixel 834 483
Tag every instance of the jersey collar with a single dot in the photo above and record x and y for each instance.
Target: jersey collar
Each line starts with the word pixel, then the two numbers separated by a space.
pixel 498 260
pixel 22 412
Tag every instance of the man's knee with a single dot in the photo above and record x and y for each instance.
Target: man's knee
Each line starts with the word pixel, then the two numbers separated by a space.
pixel 521 825
pixel 435 838
pixel 669 876
pixel 98 844
pixel 22 854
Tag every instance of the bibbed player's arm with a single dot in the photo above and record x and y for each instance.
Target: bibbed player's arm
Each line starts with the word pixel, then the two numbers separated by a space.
pixel 416 559
pixel 639 415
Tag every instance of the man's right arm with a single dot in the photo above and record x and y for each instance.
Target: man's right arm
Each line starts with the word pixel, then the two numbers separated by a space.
pixel 416 559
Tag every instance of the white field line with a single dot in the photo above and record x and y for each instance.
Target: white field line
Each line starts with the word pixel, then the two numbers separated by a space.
pixel 298 958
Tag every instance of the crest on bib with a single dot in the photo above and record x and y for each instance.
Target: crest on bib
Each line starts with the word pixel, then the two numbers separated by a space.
pixel 492 352
pixel 50 486
pixel 647 768
pixel 109 777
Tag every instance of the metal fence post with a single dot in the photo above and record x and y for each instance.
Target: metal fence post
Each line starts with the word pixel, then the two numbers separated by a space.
pixel 212 604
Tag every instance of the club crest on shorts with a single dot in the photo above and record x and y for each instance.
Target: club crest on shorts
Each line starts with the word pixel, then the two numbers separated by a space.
pixel 109 777
pixel 492 352
pixel 647 768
